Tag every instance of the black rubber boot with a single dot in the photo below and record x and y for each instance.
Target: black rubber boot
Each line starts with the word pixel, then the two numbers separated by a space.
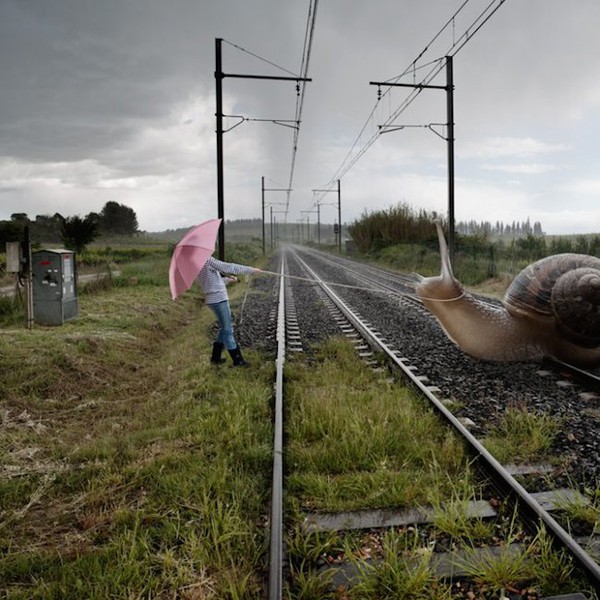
pixel 217 350
pixel 238 359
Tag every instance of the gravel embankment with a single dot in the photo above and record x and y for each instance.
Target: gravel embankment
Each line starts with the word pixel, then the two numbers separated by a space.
pixel 483 389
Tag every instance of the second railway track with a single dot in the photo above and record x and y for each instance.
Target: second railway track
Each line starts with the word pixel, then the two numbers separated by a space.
pixel 313 281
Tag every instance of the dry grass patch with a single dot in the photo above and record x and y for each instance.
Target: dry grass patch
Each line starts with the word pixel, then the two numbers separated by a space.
pixel 131 467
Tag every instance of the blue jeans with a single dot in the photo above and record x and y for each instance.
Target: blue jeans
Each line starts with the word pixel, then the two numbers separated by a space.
pixel 225 335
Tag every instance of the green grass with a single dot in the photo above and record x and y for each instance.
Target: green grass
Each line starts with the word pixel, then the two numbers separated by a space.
pixel 400 575
pixel 405 238
pixel 451 518
pixel 131 468
pixel 359 440
pixel 521 436
pixel 522 563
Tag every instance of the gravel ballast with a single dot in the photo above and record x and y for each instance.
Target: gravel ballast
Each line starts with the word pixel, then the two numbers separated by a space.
pixel 483 390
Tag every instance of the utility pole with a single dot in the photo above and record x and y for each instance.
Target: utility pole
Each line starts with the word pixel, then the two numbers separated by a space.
pixel 339 191
pixel 339 205
pixel 262 196
pixel 449 89
pixel 263 190
pixel 318 224
pixel 219 114
pixel 275 227
pixel 27 272
pixel 450 121
pixel 307 213
pixel 219 76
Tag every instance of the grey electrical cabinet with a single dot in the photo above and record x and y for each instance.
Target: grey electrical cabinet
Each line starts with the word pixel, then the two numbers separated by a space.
pixel 54 286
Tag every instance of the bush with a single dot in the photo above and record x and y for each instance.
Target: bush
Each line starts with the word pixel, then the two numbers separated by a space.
pixel 380 229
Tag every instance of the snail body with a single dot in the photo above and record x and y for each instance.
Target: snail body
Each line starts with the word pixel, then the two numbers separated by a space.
pixel 552 308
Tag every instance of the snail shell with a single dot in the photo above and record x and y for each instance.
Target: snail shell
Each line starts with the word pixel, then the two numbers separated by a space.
pixel 551 308
pixel 563 286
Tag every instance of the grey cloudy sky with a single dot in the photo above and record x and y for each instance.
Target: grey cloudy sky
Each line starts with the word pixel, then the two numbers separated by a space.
pixel 115 101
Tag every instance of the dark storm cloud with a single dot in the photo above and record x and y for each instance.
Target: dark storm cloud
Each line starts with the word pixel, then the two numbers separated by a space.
pixel 78 77
pixel 114 100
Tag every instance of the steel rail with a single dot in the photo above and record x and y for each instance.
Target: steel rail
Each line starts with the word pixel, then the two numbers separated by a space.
pixel 276 541
pixel 590 380
pixel 510 486
pixel 406 281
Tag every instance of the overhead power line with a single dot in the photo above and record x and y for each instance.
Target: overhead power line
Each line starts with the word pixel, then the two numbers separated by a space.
pixel 219 77
pixel 361 145
pixel 308 40
pixel 301 88
pixel 260 58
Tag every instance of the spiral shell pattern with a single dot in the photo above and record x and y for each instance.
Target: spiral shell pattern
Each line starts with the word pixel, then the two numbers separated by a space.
pixel 565 286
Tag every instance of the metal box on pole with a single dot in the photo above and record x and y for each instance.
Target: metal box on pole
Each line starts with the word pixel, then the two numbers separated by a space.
pixel 54 286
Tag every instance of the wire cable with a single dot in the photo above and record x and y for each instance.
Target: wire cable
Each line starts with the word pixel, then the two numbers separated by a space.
pixel 301 87
pixel 308 40
pixel 357 150
pixel 467 35
pixel 261 58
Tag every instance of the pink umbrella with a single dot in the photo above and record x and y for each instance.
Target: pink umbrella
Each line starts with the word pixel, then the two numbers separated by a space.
pixel 191 254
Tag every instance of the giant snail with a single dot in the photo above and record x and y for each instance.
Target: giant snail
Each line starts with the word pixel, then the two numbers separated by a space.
pixel 552 308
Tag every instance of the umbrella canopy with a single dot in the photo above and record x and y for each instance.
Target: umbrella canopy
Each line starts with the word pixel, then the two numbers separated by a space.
pixel 191 254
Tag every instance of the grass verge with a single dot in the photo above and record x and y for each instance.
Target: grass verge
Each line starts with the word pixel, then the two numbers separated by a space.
pixel 357 439
pixel 131 468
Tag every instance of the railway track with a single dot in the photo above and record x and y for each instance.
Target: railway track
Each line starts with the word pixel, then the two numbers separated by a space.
pixel 335 297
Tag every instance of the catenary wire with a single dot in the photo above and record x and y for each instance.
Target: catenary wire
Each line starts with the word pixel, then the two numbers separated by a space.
pixel 411 67
pixel 308 40
pixel 350 160
pixel 261 58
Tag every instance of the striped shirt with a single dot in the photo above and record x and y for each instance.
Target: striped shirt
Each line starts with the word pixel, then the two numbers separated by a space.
pixel 211 281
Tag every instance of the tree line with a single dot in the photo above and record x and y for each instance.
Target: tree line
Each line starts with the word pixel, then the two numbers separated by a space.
pixel 499 228
pixel 74 232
